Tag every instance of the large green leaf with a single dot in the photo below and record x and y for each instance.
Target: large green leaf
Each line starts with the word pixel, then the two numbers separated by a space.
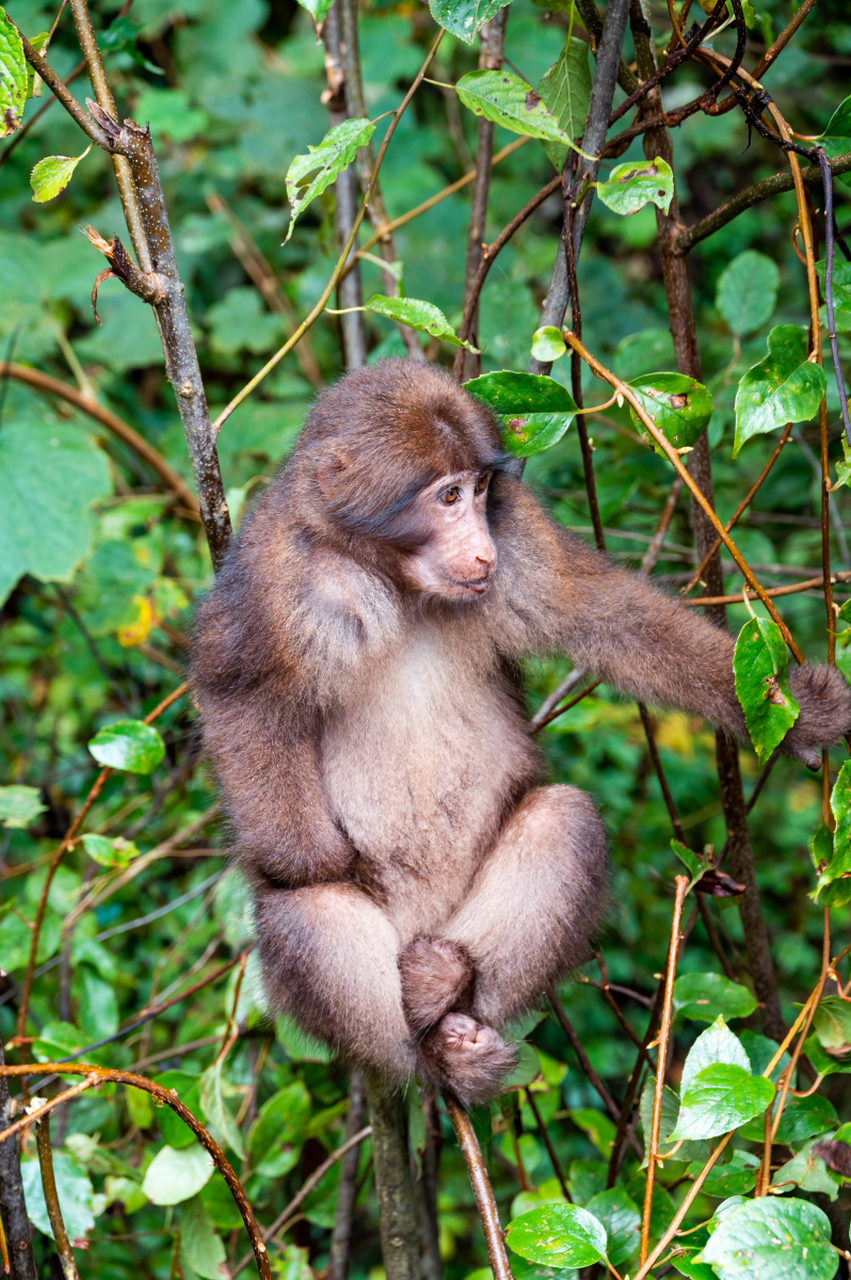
pixel 761 670
pixel 464 18
pixel 808 1172
pixel 716 1044
pixel 679 406
pixel 557 1235
pixel 566 91
pixel 277 1135
pixel 702 996
pixel 747 291
pixel 772 1239
pixel 201 1246
pixel 216 1109
pixel 533 410
pixel 622 1222
pixel 309 175
pixel 633 185
pixel 784 387
pixel 424 316
pixel 721 1097
pixel 50 474
pixel 128 744
pixel 173 1176
pixel 509 101
pixel 13 77
pixel 74 1189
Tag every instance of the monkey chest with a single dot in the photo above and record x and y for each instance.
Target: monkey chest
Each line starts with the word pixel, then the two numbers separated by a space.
pixel 418 765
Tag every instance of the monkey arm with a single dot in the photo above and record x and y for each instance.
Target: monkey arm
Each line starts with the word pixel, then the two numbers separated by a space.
pixel 641 641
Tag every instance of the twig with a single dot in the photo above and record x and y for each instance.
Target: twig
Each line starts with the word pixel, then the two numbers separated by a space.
pixel 656 761
pixel 545 1138
pixel 792 589
pixel 584 1062
pixel 542 724
pixel 95 1077
pixel 664 1032
pixel 570 681
pixel 827 183
pixel 51 1199
pixel 472 1153
pixel 343 258
pixel 351 1144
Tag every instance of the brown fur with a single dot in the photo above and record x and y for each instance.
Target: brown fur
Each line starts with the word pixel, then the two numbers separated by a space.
pixel 415 888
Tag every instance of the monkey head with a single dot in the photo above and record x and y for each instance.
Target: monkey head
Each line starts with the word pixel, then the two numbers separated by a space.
pixel 403 463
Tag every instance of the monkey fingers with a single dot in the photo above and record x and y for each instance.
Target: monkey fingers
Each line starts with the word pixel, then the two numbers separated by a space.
pixel 437 975
pixel 466 1057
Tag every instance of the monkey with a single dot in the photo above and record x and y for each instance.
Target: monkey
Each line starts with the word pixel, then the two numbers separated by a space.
pixel 417 886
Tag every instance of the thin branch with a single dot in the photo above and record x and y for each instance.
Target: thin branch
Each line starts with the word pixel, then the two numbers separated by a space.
pixel 632 1086
pixel 338 1258
pixel 120 429
pixel 90 126
pixel 664 1032
pixel 827 183
pixel 773 53
pixel 650 733
pixel 545 1138
pixel 472 1153
pixel 542 724
pixel 304 1191
pixel 51 1199
pixel 808 584
pixel 343 258
pixel 95 1077
pixel 584 1062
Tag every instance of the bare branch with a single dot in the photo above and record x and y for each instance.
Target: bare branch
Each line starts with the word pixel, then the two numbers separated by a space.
pixel 472 1153
pixel 51 1199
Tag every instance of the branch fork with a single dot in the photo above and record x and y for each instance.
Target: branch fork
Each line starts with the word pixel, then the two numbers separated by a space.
pixel 146 285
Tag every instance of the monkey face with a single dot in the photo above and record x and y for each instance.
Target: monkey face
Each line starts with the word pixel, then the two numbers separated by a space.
pixel 457 555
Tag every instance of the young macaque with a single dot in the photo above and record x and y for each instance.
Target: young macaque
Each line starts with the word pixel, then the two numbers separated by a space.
pixel 416 886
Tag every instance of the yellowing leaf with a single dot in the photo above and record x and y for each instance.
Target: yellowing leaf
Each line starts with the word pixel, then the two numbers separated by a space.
pixel 137 632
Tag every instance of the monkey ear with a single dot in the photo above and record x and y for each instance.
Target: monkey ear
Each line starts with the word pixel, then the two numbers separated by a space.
pixel 330 470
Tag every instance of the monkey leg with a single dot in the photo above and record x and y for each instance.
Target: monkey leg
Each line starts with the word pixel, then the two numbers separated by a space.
pixel 329 957
pixel 535 901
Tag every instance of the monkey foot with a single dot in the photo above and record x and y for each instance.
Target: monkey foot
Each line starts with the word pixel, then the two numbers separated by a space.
pixel 467 1057
pixel 436 976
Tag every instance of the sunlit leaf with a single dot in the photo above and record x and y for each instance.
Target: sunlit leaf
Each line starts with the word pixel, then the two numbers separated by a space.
pixel 116 852
pixel 679 406
pixel 13 77
pixel 716 1044
pixel 424 316
pixel 309 175
pixel 20 806
pixel 761 670
pixel 702 996
pixel 773 1239
pixel 173 1176
pixel 464 18
pixel 534 411
pixel 548 344
pixel 721 1097
pixel 509 101
pixel 52 175
pixel 784 387
pixel 633 185
pixel 557 1235
pixel 128 744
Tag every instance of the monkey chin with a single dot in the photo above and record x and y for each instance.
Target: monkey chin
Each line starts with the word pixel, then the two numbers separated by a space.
pixel 467 1057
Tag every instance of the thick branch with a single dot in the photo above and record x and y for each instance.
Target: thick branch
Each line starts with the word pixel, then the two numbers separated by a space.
pixel 472 1153
pixel 51 1199
pixel 91 128
pixel 13 1209
pixel 397 1213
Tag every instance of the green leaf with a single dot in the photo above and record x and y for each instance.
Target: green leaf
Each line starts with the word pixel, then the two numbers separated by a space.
pixel 464 18
pixel 839 124
pixel 309 175
pixel 534 411
pixel 509 101
pixel 188 1089
pixel 57 1040
pixel 761 671
pixel 840 805
pixel 633 185
pixel 35 84
pixel 686 1263
pixel 13 77
pixel 566 91
pixel 548 344
pixel 277 1135
pixel 747 291
pixel 128 744
pixel 174 1176
pixel 719 1098
pixel 424 316
pixel 599 1129
pixel 557 1235
pixel 50 474
pixel 702 996
pixel 52 175
pixel 298 1045
pixel 772 1239
pixel 679 406
pixel 108 852
pixel 784 387
pixel 316 8
pixel 217 1111
pixel 20 806
pixel 805 1118
pixel 667 1123
pixel 716 1044
pixel 826 1063
pixel 832 1025
pixel 838 146
pixel 75 1192
pixel 695 863
pixel 736 1178
pixel 201 1246
pixel 807 1172
pixel 621 1220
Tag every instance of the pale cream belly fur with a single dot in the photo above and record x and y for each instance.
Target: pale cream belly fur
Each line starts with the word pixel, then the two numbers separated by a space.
pixel 417 779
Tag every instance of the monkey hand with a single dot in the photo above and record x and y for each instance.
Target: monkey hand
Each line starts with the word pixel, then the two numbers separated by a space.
pixel 825 701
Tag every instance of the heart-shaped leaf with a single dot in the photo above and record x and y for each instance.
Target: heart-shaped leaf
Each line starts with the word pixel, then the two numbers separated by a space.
pixel 679 406
pixel 784 387
pixel 720 1098
pixel 533 410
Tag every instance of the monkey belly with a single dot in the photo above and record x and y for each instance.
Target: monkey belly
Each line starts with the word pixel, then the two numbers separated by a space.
pixel 417 773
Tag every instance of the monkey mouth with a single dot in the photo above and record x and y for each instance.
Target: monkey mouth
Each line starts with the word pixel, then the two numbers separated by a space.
pixel 478 586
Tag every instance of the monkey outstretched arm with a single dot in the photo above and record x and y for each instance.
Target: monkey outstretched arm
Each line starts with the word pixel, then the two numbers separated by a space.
pixel 641 641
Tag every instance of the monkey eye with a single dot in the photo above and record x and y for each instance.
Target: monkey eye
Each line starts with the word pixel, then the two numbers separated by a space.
pixel 483 481
pixel 448 496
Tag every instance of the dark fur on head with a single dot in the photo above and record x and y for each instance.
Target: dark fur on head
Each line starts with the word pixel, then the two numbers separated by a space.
pixel 416 887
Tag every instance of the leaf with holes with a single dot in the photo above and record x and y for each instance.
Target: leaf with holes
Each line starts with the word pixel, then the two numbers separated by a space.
pixel 309 175
pixel 52 174
pixel 534 411
pixel 128 744
pixel 633 185
pixel 464 18
pixel 679 406
pixel 761 671
pixel 784 387
pixel 424 316
pixel 557 1235
pixel 772 1239
pixel 566 91
pixel 508 101
pixel 13 77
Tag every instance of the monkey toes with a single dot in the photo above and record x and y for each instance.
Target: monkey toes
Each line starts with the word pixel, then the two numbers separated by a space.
pixel 436 976
pixel 468 1057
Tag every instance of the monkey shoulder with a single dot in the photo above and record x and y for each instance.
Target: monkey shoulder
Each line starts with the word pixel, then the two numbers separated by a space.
pixel 342 613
